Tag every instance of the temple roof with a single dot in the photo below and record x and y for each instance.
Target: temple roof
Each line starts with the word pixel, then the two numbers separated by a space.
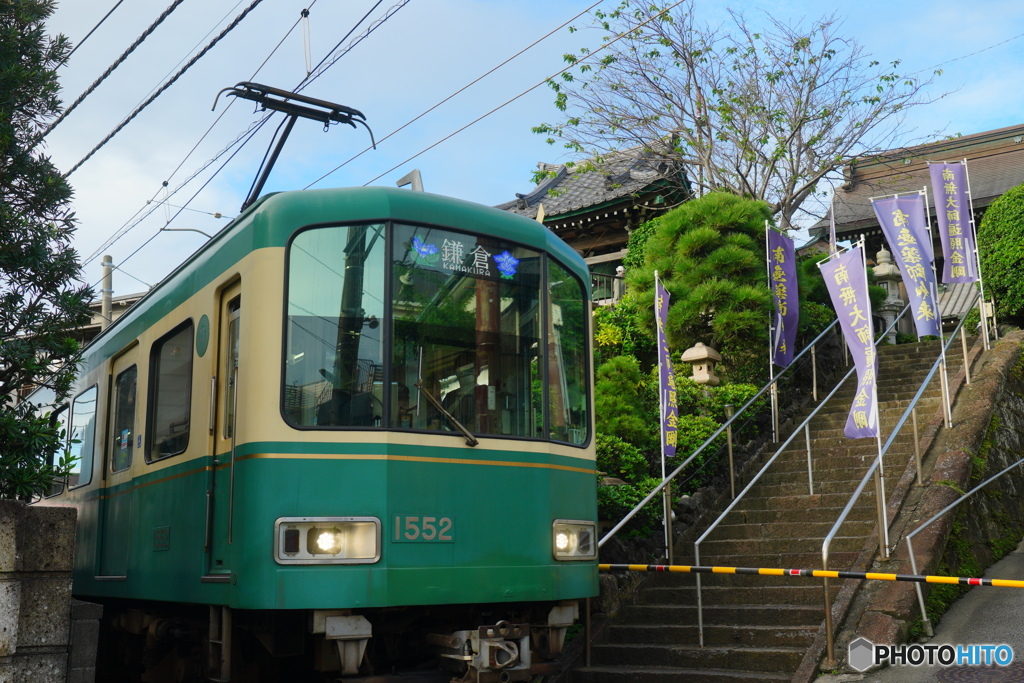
pixel 574 188
pixel 995 163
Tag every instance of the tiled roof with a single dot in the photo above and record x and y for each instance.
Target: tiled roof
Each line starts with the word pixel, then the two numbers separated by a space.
pixel 957 299
pixel 571 189
pixel 995 163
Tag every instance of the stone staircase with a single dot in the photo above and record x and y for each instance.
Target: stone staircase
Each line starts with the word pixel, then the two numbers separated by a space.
pixel 757 628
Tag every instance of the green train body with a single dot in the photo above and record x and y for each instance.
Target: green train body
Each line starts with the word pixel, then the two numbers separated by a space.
pixel 276 469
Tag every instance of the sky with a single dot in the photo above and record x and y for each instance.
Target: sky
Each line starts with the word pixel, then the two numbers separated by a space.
pixel 418 53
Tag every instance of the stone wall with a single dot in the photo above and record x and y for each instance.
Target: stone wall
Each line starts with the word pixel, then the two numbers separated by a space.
pixel 36 557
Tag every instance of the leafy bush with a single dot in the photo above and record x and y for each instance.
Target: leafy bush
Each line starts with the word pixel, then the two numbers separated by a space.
pixel 614 502
pixel 616 334
pixel 621 403
pixel 616 458
pixel 1001 245
pixel 32 452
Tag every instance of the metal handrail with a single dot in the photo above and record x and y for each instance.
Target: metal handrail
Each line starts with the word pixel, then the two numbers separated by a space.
pixel 803 426
pixel 926 622
pixel 871 471
pixel 728 423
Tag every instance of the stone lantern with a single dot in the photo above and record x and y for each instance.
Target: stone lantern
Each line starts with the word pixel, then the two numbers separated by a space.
pixel 703 359
pixel 887 275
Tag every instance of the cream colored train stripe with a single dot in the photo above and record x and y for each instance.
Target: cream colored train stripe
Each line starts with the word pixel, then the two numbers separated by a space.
pixel 409 458
pixel 325 456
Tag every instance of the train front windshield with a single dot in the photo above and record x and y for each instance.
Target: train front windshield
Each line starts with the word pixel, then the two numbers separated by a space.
pixel 494 332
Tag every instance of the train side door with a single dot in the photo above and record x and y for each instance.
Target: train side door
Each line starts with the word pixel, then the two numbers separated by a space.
pixel 223 480
pixel 124 444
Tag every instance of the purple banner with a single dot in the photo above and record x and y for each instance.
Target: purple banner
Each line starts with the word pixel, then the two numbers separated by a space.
pixel 953 211
pixel 847 284
pixel 903 223
pixel 666 375
pixel 782 274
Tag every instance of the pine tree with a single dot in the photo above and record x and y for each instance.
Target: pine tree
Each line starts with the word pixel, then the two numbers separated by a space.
pixel 41 299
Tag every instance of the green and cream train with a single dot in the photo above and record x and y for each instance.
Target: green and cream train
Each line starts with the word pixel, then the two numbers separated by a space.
pixel 351 436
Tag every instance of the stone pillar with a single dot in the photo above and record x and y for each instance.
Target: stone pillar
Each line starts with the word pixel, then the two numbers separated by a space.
pixel 36 557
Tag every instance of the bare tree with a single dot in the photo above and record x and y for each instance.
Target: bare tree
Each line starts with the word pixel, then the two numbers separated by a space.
pixel 762 114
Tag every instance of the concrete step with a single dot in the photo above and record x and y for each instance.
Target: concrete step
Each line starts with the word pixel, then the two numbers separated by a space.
pixel 764 659
pixel 802 529
pixel 799 501
pixel 830 474
pixel 714 635
pixel 740 515
pixel 840 488
pixel 838 560
pixel 673 580
pixel 799 591
pixel 759 547
pixel 809 616
pixel 651 674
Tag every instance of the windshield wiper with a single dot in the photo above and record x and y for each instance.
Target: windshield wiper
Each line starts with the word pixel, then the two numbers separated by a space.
pixel 470 439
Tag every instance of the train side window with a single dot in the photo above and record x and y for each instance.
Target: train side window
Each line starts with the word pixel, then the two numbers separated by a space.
pixel 334 366
pixel 123 433
pixel 170 394
pixel 567 357
pixel 60 414
pixel 83 436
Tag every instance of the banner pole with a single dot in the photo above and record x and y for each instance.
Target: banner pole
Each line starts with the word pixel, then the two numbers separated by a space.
pixel 977 261
pixel 883 532
pixel 665 511
pixel 771 343
pixel 948 412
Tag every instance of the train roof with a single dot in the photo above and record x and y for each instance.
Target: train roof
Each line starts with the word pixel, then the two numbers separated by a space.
pixel 271 221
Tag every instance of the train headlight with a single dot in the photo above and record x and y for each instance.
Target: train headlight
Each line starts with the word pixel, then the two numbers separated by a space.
pixel 327 540
pixel 573 540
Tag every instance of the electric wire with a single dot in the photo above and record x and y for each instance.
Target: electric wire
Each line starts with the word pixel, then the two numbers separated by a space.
pixel 136 220
pixel 528 90
pixel 201 188
pixel 191 50
pixel 98 24
pixel 110 69
pixel 166 85
pixel 456 93
pixel 319 70
pixel 309 78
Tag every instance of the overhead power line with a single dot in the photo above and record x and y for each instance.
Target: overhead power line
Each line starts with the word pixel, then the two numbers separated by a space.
pixel 457 92
pixel 110 69
pixel 166 85
pixel 247 134
pixel 509 101
pixel 98 24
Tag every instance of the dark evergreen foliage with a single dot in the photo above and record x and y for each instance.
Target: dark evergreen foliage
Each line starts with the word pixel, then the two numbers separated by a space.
pixel 41 300
pixel 1001 244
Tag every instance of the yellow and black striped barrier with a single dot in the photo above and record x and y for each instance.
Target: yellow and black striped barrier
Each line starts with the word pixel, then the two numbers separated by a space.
pixel 809 573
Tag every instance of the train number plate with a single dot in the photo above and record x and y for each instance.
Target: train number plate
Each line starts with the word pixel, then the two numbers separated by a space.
pixel 423 529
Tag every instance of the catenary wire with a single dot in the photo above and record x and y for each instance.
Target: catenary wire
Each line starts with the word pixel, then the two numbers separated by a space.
pixel 317 72
pixel 201 188
pixel 308 78
pixel 110 69
pixel 456 93
pixel 191 50
pixel 129 224
pixel 530 89
pixel 166 85
pixel 98 24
